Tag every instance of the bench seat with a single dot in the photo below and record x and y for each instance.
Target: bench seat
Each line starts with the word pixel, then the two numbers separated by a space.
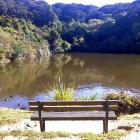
pixel 79 115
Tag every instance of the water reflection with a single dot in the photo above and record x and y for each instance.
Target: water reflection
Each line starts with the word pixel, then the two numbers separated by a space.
pixel 30 78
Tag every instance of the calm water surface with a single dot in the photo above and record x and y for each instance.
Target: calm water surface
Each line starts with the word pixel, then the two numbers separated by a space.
pixel 91 73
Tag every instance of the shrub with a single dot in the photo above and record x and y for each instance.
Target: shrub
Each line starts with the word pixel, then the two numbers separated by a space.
pixel 2 53
pixel 1 56
pixel 65 45
pixel 59 50
pixel 127 104
pixel 19 48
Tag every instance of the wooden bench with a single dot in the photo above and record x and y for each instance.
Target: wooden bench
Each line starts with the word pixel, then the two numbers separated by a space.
pixel 74 110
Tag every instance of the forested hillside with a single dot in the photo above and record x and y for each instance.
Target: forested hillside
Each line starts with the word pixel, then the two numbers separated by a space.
pixel 32 25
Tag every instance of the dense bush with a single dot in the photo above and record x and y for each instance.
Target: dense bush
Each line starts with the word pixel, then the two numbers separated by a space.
pixel 74 27
pixel 39 12
pixel 103 30
pixel 19 37
pixel 2 52
pixel 19 49
pixel 127 104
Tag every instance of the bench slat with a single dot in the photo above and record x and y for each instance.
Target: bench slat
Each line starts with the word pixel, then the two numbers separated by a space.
pixel 73 108
pixel 63 103
pixel 74 116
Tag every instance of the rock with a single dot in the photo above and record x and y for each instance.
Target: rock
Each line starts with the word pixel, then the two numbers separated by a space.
pixel 137 130
pixel 6 100
pixel 127 128
pixel 11 96
pixel 19 104
pixel 28 125
pixel 35 125
pixel 23 108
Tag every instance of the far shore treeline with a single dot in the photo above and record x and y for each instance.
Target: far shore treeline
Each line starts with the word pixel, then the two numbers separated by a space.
pixel 30 28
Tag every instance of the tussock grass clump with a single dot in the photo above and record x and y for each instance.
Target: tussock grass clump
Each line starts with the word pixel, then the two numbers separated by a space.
pixel 127 104
pixel 62 91
pixel 10 116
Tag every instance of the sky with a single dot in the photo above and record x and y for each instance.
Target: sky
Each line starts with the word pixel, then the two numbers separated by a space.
pixel 93 2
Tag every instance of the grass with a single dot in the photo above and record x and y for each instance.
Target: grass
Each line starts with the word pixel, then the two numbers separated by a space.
pixel 10 116
pixel 63 92
pixel 113 135
pixel 93 97
pixel 32 134
pixel 130 117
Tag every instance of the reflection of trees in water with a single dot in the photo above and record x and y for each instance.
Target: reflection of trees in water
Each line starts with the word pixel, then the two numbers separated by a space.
pixel 64 66
pixel 111 70
pixel 20 76
pixel 35 76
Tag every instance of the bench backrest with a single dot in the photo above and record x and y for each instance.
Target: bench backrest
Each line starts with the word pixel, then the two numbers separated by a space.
pixel 62 106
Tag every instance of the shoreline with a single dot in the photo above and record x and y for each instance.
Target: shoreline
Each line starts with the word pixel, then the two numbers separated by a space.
pixel 21 102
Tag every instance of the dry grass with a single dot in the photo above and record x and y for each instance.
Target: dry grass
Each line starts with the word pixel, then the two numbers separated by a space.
pixel 131 117
pixel 10 116
pixel 113 135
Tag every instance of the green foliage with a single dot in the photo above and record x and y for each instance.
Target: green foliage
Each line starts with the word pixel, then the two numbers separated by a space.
pixel 127 104
pixel 19 37
pixel 63 92
pixel 73 27
pixel 93 97
pixel 19 48
pixel 62 46
pixel 37 11
pixel 78 12
pixel 2 52
pixel 92 29
pixel 54 35
pixel 59 50
pixel 65 45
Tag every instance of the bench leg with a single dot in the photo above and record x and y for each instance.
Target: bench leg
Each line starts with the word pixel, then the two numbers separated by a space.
pixel 105 126
pixel 41 128
pixel 42 125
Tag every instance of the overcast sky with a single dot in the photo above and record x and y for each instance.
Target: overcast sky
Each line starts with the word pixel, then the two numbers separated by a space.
pixel 94 2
